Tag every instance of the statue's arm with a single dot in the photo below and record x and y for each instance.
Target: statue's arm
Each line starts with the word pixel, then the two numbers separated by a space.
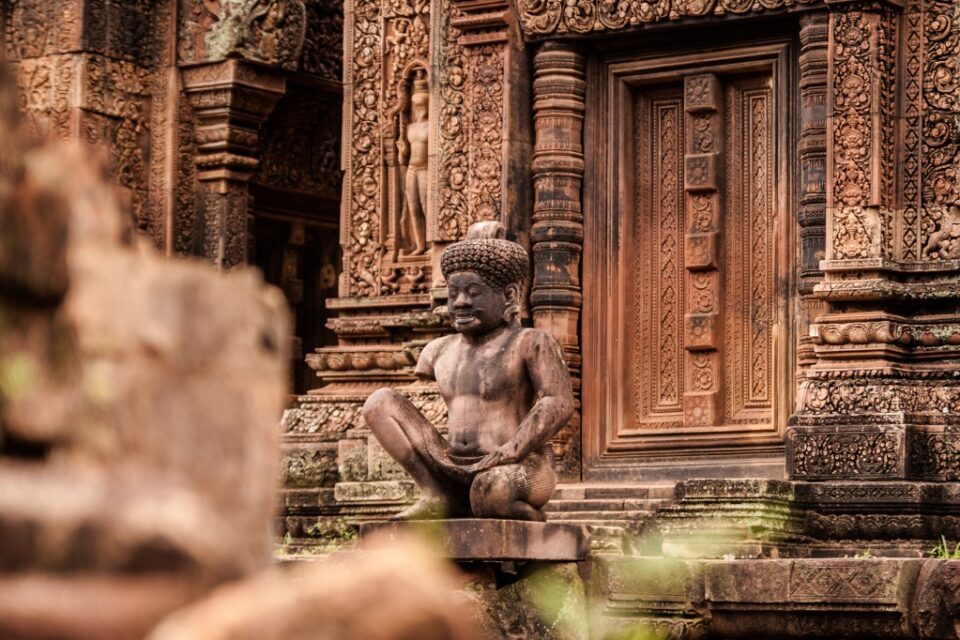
pixel 553 393
pixel 425 362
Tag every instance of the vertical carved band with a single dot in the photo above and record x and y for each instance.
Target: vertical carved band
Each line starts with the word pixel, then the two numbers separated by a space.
pixel 557 232
pixel 862 119
pixel 814 34
pixel 703 176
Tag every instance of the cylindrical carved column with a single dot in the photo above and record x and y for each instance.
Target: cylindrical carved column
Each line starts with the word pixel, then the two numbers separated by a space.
pixel 814 38
pixel 556 235
pixel 559 87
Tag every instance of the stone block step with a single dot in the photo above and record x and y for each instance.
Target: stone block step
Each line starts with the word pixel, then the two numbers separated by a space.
pixel 603 528
pixel 600 516
pixel 581 491
pixel 602 505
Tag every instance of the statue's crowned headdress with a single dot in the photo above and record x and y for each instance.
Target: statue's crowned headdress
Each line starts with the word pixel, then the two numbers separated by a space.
pixel 486 252
pixel 420 91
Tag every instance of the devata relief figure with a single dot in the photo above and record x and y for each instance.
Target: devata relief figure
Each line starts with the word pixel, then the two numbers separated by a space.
pixel 506 388
pixel 413 152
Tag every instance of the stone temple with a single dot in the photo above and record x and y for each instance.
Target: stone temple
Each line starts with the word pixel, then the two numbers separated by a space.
pixel 743 218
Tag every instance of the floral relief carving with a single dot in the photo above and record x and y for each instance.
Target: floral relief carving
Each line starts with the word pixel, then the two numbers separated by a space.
pixel 852 102
pixel 329 417
pixel 940 119
pixel 484 69
pixel 361 247
pixel 864 100
pixel 857 396
pixel 451 206
pixel 300 146
pixel 845 454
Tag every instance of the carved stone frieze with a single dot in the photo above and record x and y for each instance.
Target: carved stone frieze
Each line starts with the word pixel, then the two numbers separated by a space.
pixel 855 396
pixel 268 31
pixel 46 87
pixel 322 53
pixel 360 222
pixel 934 452
pixel 163 142
pixel 859 453
pixel 543 18
pixel 326 418
pixel 484 69
pixel 848 336
pixel 362 358
pixel 300 145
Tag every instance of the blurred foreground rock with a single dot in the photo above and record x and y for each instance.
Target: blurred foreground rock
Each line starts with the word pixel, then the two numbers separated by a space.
pixel 398 594
pixel 138 404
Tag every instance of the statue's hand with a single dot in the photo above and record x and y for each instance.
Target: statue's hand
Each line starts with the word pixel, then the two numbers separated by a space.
pixel 494 459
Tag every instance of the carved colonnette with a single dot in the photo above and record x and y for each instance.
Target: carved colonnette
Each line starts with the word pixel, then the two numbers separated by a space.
pixel 557 230
pixel 812 149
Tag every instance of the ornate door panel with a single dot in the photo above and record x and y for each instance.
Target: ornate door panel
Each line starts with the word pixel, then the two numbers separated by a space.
pixel 686 268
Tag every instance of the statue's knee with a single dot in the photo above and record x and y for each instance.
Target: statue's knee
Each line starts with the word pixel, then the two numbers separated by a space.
pixel 492 494
pixel 381 402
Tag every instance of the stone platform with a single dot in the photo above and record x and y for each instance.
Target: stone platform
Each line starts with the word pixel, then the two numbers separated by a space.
pixel 488 540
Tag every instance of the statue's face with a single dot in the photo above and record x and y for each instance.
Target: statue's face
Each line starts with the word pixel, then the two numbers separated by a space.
pixel 475 307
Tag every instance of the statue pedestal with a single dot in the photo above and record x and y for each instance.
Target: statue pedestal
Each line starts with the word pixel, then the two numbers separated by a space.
pixel 522 579
pixel 477 539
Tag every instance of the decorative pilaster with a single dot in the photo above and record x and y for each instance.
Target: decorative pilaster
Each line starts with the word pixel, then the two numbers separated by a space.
pixel 231 100
pixel 703 171
pixel 861 121
pixel 490 92
pixel 881 401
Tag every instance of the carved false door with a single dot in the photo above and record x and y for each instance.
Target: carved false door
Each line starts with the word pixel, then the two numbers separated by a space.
pixel 690 282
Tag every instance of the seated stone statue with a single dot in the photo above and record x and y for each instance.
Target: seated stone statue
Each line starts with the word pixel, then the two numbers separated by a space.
pixel 507 392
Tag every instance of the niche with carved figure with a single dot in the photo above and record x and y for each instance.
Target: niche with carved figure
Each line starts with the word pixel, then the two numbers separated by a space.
pixel 406 212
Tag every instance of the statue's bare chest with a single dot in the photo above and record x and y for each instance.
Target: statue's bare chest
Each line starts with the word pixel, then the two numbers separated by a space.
pixel 491 371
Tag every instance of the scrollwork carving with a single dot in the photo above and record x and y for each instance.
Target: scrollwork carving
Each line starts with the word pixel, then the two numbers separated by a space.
pixel 451 207
pixel 845 454
pixel 540 18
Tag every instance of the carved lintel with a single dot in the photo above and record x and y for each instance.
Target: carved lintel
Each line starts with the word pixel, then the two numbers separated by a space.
pixel 541 19
pixel 230 100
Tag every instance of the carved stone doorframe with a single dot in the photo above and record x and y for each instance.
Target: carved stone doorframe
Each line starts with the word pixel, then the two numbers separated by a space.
pixel 713 426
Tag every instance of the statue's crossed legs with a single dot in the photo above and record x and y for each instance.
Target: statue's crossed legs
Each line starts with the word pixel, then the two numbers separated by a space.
pixel 450 487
